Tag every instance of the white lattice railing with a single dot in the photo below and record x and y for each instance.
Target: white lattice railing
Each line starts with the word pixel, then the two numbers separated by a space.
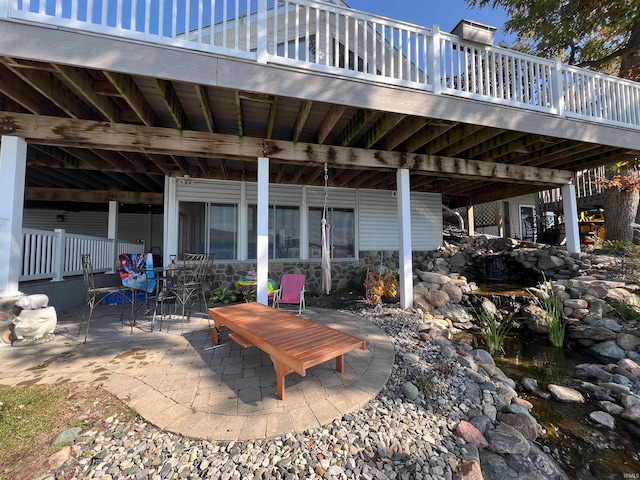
pixel 323 37
pixel 56 254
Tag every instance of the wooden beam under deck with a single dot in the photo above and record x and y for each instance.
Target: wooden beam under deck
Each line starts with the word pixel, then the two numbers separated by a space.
pixel 135 138
pixel 92 196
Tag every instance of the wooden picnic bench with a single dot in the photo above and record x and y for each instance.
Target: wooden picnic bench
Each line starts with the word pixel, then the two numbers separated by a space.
pixel 294 343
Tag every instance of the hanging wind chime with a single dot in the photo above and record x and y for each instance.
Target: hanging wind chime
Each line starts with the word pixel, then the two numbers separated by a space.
pixel 326 253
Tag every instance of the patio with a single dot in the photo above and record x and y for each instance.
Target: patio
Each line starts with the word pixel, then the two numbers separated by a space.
pixel 179 384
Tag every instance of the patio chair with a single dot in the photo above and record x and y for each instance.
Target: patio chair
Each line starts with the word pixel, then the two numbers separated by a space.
pixel 291 291
pixel 97 295
pixel 191 286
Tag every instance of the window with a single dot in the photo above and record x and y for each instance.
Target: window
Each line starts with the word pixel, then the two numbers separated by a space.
pixel 209 228
pixel 284 232
pixel 223 231
pixel 341 234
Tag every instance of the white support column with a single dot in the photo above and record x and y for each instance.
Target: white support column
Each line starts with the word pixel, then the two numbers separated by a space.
pixel 570 208
pixel 13 167
pixel 112 233
pixel 170 224
pixel 262 266
pixel 304 226
pixel 404 240
pixel 243 224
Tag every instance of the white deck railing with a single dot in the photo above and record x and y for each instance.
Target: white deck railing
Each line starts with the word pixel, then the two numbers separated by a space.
pixel 323 37
pixel 588 184
pixel 57 254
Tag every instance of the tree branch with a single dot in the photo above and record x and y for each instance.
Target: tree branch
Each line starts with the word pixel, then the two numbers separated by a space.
pixel 603 60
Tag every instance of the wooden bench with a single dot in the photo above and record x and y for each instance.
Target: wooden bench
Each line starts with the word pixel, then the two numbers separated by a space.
pixel 293 343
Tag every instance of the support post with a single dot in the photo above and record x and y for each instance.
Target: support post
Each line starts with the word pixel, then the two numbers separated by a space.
pixel 170 230
pixel 471 220
pixel 58 255
pixel 243 219
pixel 262 267
pixel 570 208
pixel 13 167
pixel 112 234
pixel 404 232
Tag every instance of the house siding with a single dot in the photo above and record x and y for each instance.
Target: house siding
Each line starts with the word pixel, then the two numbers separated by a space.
pixel 378 220
pixel 131 226
pixel 376 210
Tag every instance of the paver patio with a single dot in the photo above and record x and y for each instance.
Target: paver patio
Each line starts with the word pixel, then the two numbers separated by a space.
pixel 179 383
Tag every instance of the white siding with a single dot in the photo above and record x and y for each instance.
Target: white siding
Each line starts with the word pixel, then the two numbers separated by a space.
pixel 336 197
pixel 378 220
pixel 426 221
pixel 278 194
pixel 132 226
pixel 208 191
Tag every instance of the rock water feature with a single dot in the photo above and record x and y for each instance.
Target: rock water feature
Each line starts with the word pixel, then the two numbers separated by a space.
pixel 589 404
pixel 589 441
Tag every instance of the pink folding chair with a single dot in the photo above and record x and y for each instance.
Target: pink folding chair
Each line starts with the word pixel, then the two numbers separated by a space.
pixel 291 291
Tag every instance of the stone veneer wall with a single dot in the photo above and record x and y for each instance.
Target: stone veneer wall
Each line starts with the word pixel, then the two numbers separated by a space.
pixel 344 273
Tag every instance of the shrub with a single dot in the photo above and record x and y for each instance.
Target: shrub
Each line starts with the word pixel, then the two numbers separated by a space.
pixel 381 284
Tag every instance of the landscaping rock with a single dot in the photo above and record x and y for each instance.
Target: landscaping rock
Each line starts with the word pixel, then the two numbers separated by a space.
pixel 609 349
pixel 565 394
pixel 471 434
pixel 603 418
pixel 506 439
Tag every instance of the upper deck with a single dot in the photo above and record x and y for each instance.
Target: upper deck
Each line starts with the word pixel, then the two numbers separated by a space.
pixel 317 35
pixel 311 71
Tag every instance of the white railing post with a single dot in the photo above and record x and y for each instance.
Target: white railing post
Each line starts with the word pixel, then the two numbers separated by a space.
pixel 436 71
pixel 557 88
pixel 58 255
pixel 4 8
pixel 262 40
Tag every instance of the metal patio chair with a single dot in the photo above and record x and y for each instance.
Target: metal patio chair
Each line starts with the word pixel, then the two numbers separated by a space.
pixel 97 295
pixel 190 285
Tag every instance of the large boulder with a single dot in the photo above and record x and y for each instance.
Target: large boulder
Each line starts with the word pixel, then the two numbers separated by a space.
pixel 456 313
pixel 550 262
pixel 589 332
pixel 454 292
pixel 536 318
pixel 438 298
pixel 523 422
pixel 609 349
pixel 506 439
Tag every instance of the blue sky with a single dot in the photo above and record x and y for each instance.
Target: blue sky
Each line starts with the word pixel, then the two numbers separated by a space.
pixel 445 13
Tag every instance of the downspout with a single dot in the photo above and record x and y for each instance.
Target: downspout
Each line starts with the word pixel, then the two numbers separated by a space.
pixel 453 212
